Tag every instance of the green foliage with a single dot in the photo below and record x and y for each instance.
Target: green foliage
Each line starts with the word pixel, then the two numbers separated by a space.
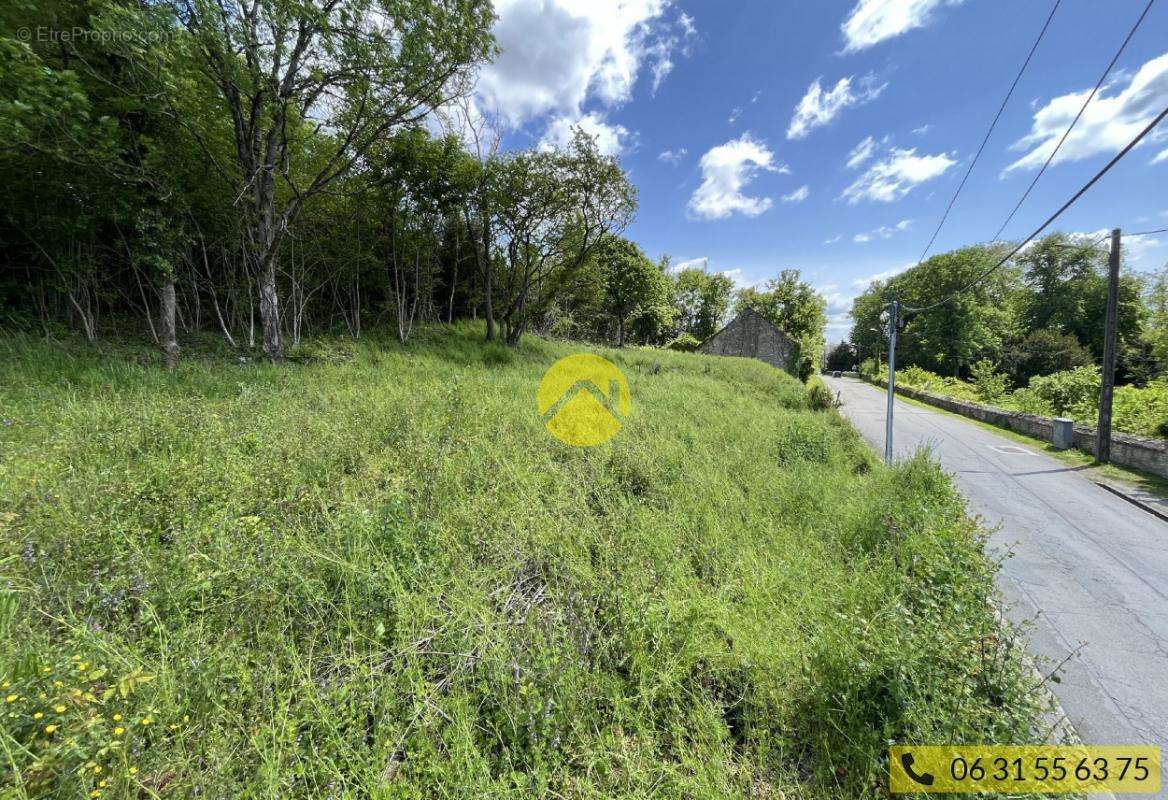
pixel 989 384
pixel 819 397
pixel 702 301
pixel 842 357
pixel 380 577
pixel 795 308
pixel 1074 393
pixel 1043 352
pixel 684 343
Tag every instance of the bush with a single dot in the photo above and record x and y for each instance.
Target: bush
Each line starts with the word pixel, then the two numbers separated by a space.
pixel 819 397
pixel 989 384
pixel 1073 392
pixel 684 343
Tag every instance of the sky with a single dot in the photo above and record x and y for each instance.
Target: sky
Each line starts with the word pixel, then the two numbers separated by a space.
pixel 829 136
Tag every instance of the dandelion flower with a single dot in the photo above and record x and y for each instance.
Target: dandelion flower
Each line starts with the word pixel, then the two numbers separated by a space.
pixel 146 720
pixel 118 731
pixel 133 770
pixel 50 728
pixel 103 783
pixel 117 717
pixel 10 698
pixel 97 769
pixel 60 709
pixel 37 715
pixel 95 793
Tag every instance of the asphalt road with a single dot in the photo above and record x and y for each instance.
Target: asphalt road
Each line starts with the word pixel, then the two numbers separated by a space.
pixel 1089 568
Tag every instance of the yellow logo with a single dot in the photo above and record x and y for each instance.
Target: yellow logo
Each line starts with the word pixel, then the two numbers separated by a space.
pixel 584 400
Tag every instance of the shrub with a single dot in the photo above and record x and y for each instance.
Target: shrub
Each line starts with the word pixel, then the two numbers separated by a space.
pixel 989 384
pixel 819 397
pixel 685 343
pixel 1074 392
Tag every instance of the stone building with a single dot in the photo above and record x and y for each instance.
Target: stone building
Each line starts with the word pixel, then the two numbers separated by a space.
pixel 752 335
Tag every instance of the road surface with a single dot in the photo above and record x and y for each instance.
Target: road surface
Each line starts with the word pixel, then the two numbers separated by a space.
pixel 1094 565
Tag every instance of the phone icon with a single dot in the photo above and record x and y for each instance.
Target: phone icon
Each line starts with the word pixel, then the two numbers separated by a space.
pixel 906 761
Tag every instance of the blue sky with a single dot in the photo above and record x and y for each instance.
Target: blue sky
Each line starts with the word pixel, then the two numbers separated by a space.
pixel 829 136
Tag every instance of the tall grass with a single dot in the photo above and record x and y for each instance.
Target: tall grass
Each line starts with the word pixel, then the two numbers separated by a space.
pixel 372 574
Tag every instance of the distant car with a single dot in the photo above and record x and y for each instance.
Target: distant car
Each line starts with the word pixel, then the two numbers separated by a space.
pixel 837 374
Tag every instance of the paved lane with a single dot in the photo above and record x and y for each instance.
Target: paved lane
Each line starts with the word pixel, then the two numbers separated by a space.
pixel 1088 567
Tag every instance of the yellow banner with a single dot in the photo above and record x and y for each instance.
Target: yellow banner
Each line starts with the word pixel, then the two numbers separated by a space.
pixel 1000 768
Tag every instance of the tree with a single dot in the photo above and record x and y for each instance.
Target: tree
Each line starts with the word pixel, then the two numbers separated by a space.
pixel 702 301
pixel 842 357
pixel 1043 352
pixel 797 310
pixel 289 69
pixel 633 285
pixel 552 210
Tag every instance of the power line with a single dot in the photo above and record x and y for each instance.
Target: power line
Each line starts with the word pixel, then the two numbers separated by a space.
pixel 1107 168
pixel 993 125
pixel 1075 121
pixel 1146 233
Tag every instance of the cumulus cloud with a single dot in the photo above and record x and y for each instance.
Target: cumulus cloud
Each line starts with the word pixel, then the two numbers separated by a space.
pixel 819 107
pixel 873 21
pixel 883 232
pixel 692 263
pixel 865 282
pixel 612 140
pixel 1110 121
pixel 559 54
pixel 726 171
pixel 861 152
pixel 797 196
pixel 672 156
pixel 895 175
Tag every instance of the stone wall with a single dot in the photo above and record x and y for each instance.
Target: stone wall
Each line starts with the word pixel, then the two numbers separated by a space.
pixel 1134 452
pixel 753 336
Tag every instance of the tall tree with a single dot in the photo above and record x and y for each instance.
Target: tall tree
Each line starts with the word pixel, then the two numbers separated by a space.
pixel 633 284
pixel 355 69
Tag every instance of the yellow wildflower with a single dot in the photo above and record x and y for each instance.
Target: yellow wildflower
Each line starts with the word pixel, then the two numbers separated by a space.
pixel 186 718
pixel 95 793
pixel 37 715
pixel 60 709
pixel 102 783
pixel 146 720
pixel 117 717
pixel 10 698
pixel 133 770
pixel 50 728
pixel 118 731
pixel 97 769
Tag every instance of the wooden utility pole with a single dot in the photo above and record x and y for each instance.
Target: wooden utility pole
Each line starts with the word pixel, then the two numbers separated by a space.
pixel 1107 389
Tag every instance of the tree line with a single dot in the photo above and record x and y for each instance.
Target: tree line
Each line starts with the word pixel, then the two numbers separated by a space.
pixel 1041 313
pixel 271 168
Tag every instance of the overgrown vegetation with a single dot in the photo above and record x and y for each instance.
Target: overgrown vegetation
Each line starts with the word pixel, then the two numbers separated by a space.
pixel 1041 313
pixel 371 573
pixel 1142 411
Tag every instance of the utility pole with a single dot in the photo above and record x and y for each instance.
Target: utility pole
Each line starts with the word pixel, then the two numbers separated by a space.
pixel 892 324
pixel 1107 389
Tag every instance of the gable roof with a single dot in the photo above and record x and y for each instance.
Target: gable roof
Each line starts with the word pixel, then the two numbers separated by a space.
pixel 748 311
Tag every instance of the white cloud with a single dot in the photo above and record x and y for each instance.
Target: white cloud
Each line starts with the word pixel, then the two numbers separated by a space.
pixel 1134 248
pixel 558 54
pixel 612 140
pixel 833 239
pixel 861 152
pixel 672 156
pixel 726 170
pixel 1109 122
pixel 692 263
pixel 798 196
pixel 864 283
pixel 818 108
pixel 921 131
pixel 873 21
pixel 883 232
pixel 895 175
pixel 735 114
pixel 1161 156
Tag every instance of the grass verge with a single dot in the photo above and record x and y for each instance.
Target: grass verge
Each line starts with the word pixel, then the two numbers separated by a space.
pixel 372 574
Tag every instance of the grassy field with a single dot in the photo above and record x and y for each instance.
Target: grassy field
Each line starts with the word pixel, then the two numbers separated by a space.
pixel 373 574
